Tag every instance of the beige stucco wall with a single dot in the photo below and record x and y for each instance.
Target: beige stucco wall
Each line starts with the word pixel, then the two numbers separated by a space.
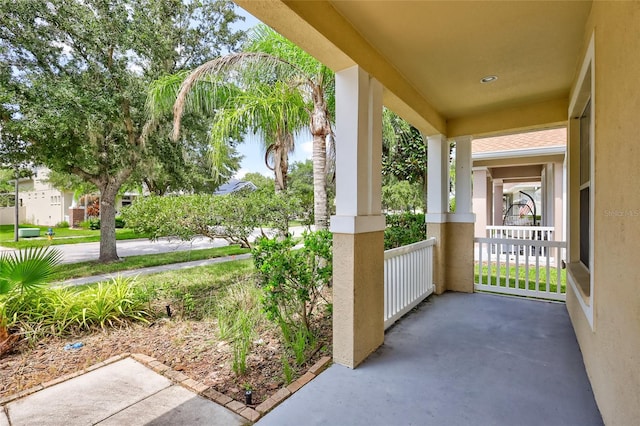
pixel 437 231
pixel 459 254
pixel 611 350
pixel 358 296
pixel 453 256
pixel 7 215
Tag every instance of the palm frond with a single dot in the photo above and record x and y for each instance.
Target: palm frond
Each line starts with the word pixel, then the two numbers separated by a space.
pixel 28 269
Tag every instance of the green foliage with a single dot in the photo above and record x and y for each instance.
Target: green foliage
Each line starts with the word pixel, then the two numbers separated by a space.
pixel 402 196
pixel 301 187
pixel 63 224
pixel 120 223
pixel 61 311
pixel 84 68
pixel 404 154
pixel 239 317
pixel 232 217
pixel 27 270
pixel 403 229
pixel 262 182
pixel 292 281
pixel 287 370
pixel 272 90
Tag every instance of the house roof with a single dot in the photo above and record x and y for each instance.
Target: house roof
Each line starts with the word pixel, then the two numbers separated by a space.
pixel 522 141
pixel 234 185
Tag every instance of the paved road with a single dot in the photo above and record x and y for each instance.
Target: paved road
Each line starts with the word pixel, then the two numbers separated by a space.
pixel 72 253
pixel 81 252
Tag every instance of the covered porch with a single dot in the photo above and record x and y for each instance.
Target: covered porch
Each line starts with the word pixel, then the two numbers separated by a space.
pixel 460 71
pixel 458 359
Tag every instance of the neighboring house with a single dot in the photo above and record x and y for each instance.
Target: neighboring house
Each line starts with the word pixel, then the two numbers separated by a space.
pixel 463 70
pixel 533 162
pixel 43 204
pixel 234 185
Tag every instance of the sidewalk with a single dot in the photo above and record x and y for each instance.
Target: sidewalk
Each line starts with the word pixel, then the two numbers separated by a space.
pixel 124 392
pixel 150 270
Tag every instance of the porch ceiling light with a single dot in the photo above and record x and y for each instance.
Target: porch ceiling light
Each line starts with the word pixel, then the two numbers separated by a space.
pixel 488 79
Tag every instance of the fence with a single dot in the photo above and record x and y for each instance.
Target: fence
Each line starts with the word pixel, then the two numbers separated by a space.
pixel 522 267
pixel 521 232
pixel 408 278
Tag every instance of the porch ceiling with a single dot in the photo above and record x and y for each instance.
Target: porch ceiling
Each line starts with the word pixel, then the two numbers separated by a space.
pixel 431 55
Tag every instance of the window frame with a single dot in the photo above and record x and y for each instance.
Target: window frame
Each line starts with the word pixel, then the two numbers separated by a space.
pixel 580 276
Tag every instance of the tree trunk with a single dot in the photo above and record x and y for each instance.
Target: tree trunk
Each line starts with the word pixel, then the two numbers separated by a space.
pixel 320 211
pixel 108 252
pixel 320 128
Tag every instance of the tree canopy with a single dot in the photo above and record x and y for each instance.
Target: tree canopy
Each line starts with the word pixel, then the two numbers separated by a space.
pixel 77 71
pixel 272 89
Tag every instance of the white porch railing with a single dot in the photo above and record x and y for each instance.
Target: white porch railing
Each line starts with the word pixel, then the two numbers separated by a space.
pixel 521 232
pixel 408 278
pixel 524 267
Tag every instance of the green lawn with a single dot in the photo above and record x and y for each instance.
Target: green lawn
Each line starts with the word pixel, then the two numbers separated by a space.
pixel 62 236
pixel 85 269
pixel 521 278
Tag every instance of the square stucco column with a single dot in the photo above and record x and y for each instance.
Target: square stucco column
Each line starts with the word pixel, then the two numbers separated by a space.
pixel 460 226
pixel 481 201
pixel 498 193
pixel 358 226
pixel 438 204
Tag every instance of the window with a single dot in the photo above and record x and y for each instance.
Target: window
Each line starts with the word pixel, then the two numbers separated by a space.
pixel 585 180
pixel 581 187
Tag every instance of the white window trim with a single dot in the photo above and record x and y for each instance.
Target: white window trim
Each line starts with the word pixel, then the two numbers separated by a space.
pixel 576 107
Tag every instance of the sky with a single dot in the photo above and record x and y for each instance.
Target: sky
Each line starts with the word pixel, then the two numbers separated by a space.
pixel 252 149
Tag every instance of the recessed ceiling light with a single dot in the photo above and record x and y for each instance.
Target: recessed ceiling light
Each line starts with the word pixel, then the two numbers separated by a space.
pixel 488 79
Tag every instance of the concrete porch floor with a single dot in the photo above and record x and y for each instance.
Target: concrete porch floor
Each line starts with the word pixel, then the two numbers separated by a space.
pixel 459 359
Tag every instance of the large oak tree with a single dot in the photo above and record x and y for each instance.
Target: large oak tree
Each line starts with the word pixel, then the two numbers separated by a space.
pixel 79 72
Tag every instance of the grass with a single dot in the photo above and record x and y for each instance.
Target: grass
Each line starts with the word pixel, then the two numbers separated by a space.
pixel 520 281
pixel 85 269
pixel 62 236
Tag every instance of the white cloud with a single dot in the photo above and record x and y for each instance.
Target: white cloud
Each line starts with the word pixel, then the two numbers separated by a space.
pixel 307 148
pixel 240 173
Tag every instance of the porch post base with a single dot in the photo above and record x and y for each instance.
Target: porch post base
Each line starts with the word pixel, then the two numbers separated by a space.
pixel 358 296
pixel 459 255
pixel 437 230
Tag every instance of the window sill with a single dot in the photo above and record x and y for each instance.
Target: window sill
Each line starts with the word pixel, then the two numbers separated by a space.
pixel 581 279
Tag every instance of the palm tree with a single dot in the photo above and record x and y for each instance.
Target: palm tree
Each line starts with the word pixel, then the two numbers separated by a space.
pixel 294 85
pixel 22 273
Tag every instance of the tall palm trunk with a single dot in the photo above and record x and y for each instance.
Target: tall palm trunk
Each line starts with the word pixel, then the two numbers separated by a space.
pixel 320 128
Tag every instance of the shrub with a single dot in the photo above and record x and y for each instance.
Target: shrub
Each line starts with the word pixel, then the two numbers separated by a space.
pixel 403 229
pixel 63 224
pixel 62 310
pixel 94 224
pixel 292 282
pixel 120 222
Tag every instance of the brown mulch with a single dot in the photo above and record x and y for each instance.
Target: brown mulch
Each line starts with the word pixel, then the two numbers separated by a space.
pixel 190 347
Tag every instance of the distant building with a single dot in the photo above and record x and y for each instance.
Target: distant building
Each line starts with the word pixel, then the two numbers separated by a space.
pixel 234 185
pixel 43 204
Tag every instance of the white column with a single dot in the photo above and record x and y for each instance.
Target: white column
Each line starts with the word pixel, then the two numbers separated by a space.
pixel 498 188
pixel 358 153
pixel 480 201
pixel 437 179
pixel 463 211
pixel 558 201
pixel 358 226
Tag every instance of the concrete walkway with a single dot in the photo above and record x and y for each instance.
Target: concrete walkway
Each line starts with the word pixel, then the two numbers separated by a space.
pixel 123 393
pixel 460 359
